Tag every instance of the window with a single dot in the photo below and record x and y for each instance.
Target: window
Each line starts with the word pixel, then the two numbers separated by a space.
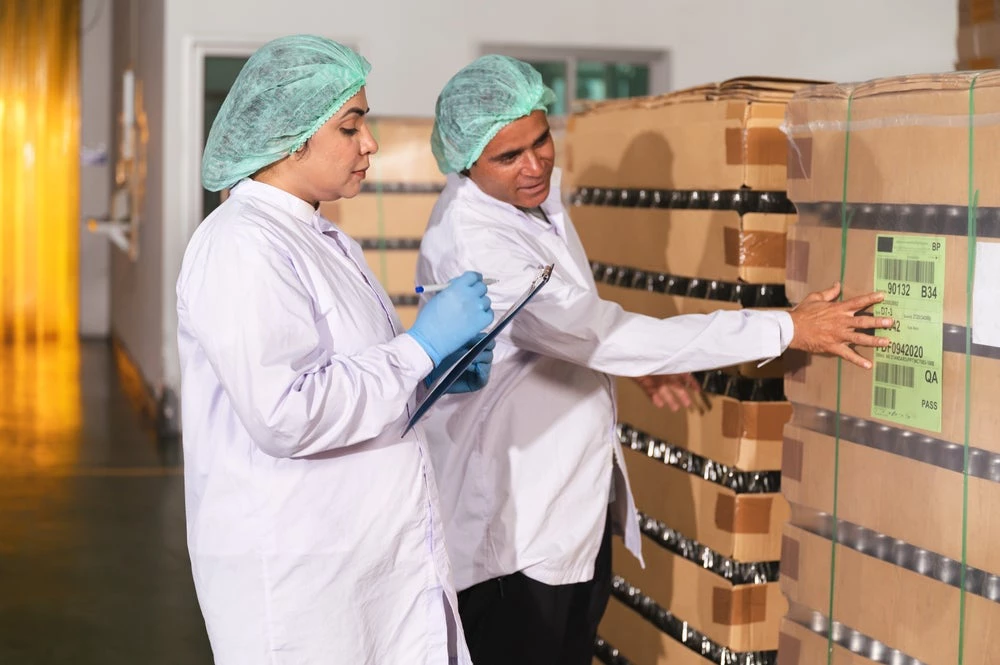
pixel 585 75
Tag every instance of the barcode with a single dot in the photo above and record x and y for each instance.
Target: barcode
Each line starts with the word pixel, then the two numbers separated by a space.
pixel 885 397
pixel 897 375
pixel 902 270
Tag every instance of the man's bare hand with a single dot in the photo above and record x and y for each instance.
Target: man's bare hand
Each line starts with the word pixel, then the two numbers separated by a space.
pixel 825 326
pixel 671 390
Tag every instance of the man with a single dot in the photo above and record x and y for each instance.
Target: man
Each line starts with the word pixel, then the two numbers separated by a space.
pixel 527 467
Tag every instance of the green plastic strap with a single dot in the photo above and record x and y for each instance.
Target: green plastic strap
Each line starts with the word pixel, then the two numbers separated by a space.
pixel 845 223
pixel 969 278
pixel 383 258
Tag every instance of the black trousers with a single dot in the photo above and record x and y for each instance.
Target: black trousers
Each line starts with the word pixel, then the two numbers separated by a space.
pixel 515 620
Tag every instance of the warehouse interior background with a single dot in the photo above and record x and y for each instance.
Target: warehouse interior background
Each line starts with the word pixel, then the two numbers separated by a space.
pixel 95 221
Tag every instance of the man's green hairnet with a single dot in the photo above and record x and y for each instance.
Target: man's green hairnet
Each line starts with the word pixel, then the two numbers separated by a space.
pixel 286 91
pixel 480 100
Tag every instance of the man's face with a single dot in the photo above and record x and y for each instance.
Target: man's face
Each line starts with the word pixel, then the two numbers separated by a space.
pixel 516 166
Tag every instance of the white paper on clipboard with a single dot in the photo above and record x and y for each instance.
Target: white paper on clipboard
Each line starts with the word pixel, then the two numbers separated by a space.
pixel 453 374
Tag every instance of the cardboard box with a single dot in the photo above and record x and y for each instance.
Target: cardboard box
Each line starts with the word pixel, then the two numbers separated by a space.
pixel 745 527
pixel 894 495
pixel 979 40
pixel 814 255
pixel 977 11
pixel 711 244
pixel 724 136
pixel 900 608
pixel 404 154
pixel 390 215
pixel 642 642
pixel 815 384
pixel 744 435
pixel 919 124
pixel 742 617
pixel 395 269
pixel 798 645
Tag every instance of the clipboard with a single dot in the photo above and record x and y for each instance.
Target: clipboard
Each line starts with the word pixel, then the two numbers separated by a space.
pixel 462 364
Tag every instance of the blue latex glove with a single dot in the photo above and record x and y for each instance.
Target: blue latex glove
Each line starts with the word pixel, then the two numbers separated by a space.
pixel 474 377
pixel 453 317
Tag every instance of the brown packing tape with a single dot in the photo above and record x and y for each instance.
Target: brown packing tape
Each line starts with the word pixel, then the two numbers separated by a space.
pixel 755 146
pixel 689 504
pixel 752 420
pixel 789 558
pixel 791 458
pixel 741 617
pixel 751 514
pixel 745 435
pixel 982 11
pixel 764 249
pixel 742 605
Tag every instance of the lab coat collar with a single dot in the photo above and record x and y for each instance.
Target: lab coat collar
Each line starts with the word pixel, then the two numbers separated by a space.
pixel 286 202
pixel 466 189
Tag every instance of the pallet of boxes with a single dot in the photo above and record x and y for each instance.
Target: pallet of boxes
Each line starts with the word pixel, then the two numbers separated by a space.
pixel 892 552
pixel 680 202
pixel 390 214
pixel 978 34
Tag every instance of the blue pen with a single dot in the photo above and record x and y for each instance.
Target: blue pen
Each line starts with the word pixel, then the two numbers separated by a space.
pixel 431 288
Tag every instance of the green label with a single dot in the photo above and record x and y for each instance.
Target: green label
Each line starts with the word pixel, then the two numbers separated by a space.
pixel 906 389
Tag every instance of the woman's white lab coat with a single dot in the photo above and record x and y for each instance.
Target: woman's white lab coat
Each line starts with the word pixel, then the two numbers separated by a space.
pixel 313 527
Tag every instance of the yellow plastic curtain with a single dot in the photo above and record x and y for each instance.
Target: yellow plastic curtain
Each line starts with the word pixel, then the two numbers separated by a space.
pixel 39 169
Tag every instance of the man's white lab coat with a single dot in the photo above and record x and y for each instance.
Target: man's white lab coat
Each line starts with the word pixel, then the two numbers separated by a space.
pixel 525 465
pixel 313 528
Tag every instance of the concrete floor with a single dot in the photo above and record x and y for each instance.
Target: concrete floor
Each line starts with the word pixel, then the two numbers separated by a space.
pixel 93 560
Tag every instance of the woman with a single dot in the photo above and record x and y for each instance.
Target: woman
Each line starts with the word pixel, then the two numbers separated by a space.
pixel 313 526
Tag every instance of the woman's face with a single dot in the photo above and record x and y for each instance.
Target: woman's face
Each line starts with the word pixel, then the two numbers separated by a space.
pixel 333 163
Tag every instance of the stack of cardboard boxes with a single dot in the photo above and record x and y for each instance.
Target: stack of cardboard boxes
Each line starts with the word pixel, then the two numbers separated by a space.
pixel 680 202
pixel 388 218
pixel 978 34
pixel 893 474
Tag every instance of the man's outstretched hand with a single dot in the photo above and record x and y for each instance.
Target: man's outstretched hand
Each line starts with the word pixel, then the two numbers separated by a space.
pixel 823 325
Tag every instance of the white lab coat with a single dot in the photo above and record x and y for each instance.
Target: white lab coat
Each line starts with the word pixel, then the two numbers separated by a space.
pixel 313 527
pixel 525 465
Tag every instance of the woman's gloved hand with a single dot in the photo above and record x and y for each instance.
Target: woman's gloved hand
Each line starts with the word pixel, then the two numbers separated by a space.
pixel 453 317
pixel 475 376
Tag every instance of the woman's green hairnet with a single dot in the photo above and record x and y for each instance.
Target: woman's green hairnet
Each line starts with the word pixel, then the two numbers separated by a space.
pixel 285 92
pixel 480 100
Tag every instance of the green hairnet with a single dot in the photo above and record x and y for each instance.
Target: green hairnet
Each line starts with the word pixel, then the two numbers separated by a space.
pixel 478 102
pixel 285 92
